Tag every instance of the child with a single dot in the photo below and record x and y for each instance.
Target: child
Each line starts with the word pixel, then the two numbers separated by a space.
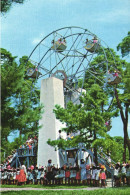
pixel 83 171
pixel 2 176
pixel 103 176
pixel 88 172
pixel 78 175
pixel 72 175
pixel 38 175
pixel 62 175
pixel 94 174
pixel 31 176
pixel 67 175
pixel 128 174
pixel 123 170
pixel 5 176
pixel 14 176
pixel 22 177
pixel 97 178
pixel 17 175
pixel 42 176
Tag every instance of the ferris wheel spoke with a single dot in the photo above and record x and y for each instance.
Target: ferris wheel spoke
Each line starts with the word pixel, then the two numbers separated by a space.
pixel 71 67
pixel 61 62
pixel 95 76
pixel 81 63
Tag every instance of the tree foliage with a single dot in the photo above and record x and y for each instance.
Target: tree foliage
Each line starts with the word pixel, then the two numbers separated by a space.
pixel 124 46
pixel 20 98
pixel 87 119
pixel 7 4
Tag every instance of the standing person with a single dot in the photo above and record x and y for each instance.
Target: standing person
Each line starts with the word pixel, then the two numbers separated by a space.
pixel 78 177
pixel 97 178
pixel 35 175
pixel 88 171
pixel 14 176
pixel 28 175
pixel 22 176
pixel 49 175
pixel 2 176
pixel 5 176
pixel 103 176
pixel 31 176
pixel 83 171
pixel 94 170
pixel 38 175
pixel 17 175
pixel 128 174
pixel 67 175
pixel 72 175
pixel 123 170
pixel 116 175
pixel 42 175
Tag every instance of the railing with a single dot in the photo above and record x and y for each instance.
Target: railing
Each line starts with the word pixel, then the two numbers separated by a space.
pixel 24 152
pixel 105 157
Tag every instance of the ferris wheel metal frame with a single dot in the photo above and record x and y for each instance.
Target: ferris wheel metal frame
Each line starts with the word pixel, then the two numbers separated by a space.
pixel 78 45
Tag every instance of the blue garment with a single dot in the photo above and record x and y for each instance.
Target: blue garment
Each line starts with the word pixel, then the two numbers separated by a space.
pixel 38 174
pixel 83 171
pixel 30 176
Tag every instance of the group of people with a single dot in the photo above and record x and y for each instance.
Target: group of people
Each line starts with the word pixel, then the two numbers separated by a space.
pixel 31 142
pixel 8 160
pixel 122 173
pixel 83 174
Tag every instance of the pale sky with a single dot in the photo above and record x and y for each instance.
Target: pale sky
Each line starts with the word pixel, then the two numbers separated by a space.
pixel 25 25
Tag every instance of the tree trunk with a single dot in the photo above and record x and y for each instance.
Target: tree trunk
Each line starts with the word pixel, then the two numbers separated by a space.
pixel 125 124
pixel 95 151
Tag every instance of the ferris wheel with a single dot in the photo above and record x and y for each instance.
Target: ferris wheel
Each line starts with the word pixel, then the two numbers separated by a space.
pixel 68 53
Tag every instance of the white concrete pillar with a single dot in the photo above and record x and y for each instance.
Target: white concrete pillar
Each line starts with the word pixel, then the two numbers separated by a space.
pixel 51 94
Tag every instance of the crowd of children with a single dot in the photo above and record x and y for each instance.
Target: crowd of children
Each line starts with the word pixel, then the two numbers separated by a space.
pixel 84 174
pixel 122 174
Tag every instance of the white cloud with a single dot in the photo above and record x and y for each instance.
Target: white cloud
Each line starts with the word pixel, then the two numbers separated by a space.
pixel 38 39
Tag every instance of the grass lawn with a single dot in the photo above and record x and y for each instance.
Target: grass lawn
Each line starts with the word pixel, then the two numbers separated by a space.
pixel 109 191
pixel 45 186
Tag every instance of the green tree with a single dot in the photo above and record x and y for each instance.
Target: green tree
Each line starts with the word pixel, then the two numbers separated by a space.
pixel 86 118
pixel 6 4
pixel 119 94
pixel 20 98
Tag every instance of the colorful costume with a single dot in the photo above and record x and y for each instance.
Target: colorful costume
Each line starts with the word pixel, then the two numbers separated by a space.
pixel 22 176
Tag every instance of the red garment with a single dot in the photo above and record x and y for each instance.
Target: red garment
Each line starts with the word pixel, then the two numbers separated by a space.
pixel 78 175
pixel 30 147
pixel 116 74
pixel 67 174
pixel 22 176
pixel 102 175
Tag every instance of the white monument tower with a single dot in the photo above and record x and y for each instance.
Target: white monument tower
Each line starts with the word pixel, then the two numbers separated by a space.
pixel 51 94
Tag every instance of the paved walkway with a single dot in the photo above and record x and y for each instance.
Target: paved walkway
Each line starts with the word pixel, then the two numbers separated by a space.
pixel 44 189
pixel 109 184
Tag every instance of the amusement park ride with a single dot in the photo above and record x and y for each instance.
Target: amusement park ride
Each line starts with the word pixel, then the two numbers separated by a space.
pixel 61 61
